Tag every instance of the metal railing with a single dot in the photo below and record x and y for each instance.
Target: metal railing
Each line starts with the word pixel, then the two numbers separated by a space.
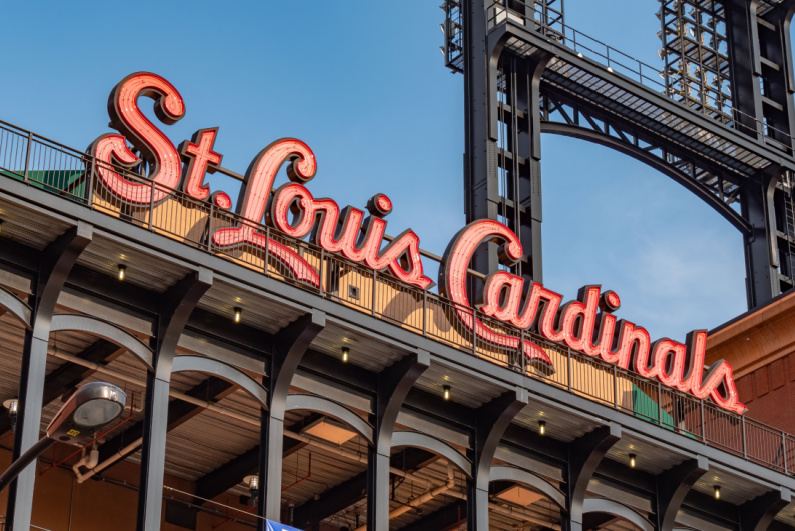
pixel 618 62
pixel 57 169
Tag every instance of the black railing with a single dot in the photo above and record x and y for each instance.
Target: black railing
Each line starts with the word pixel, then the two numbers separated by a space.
pixel 57 169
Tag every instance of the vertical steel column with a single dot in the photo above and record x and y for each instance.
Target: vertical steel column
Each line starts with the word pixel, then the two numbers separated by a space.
pixel 56 263
pixel 502 134
pixel 761 258
pixel 491 421
pixel 481 197
pixel 760 53
pixel 289 346
pixel 585 454
pixel 394 384
pixel 176 306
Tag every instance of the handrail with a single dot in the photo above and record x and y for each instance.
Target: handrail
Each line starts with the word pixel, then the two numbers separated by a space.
pixel 57 169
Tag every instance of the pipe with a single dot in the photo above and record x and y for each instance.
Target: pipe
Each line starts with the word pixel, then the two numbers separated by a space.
pixel 76 466
pixel 93 458
pixel 514 512
pixel 423 498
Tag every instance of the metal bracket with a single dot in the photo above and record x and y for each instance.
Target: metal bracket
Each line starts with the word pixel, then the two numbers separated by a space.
pixel 673 486
pixel 585 454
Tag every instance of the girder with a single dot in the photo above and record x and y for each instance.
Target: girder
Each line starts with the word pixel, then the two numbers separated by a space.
pixel 719 122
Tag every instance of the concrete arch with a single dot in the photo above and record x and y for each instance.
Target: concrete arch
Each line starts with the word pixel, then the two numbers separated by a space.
pixel 105 330
pixel 223 371
pixel 517 475
pixel 332 409
pixel 16 307
pixel 432 444
pixel 603 505
pixel 658 164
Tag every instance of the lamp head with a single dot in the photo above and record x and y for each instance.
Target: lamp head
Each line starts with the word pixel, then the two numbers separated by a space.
pixel 91 407
pixel 12 405
pixel 253 487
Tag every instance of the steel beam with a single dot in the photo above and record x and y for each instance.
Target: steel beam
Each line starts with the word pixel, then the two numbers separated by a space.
pixel 354 490
pixel 447 518
pixel 761 260
pixel 585 454
pixel 394 384
pixel 232 473
pixel 673 486
pixel 56 263
pixel 480 156
pixel 491 421
pixel 212 389
pixel 176 305
pixel 289 346
pixel 758 514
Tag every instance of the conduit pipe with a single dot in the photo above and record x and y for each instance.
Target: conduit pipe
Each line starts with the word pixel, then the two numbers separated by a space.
pixel 212 406
pixel 423 498
pixel 514 512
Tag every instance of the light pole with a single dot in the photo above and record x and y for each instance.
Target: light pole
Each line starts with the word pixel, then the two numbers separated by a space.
pixel 90 408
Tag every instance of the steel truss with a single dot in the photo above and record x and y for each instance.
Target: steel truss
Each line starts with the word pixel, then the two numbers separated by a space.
pixel 726 136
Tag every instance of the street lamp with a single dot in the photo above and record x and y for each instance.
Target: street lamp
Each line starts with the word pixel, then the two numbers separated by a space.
pixel 90 408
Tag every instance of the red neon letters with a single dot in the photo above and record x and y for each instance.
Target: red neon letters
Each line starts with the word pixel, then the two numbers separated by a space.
pixel 155 147
pixel 674 364
pixel 585 325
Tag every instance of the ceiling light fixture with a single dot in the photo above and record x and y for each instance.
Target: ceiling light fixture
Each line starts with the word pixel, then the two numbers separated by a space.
pixel 12 405
pixel 253 488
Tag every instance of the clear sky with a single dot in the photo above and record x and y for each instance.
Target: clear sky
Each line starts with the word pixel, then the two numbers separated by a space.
pixel 363 83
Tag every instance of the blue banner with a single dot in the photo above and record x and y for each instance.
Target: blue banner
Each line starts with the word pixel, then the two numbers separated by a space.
pixel 276 526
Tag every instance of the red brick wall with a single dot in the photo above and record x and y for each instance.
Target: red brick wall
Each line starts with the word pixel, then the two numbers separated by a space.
pixel 769 393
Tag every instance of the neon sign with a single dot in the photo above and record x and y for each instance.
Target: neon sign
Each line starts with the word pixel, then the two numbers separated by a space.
pixel 586 325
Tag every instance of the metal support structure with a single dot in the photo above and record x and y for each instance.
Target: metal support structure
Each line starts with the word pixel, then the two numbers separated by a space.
pixel 57 261
pixel 760 250
pixel 758 514
pixel 585 454
pixel 394 384
pixel 212 389
pixel 447 518
pixel 289 346
pixel 491 421
pixel 480 166
pixel 247 464
pixel 176 305
pixel 728 66
pixel 672 488
pixel 310 514
pixel 760 54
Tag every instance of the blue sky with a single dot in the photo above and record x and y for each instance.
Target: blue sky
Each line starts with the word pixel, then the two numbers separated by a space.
pixel 363 83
